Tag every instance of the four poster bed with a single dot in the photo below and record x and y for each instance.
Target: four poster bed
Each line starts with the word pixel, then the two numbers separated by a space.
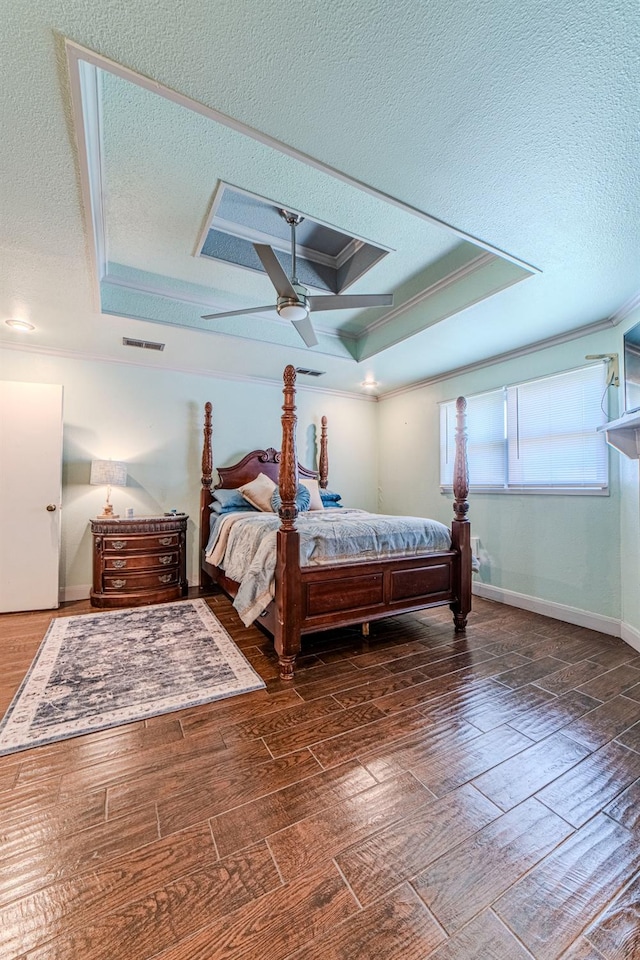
pixel 334 593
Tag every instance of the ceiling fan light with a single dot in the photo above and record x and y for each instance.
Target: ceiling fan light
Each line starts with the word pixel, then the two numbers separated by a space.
pixel 293 311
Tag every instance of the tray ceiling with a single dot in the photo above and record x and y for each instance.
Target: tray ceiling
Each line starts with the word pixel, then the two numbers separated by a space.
pixel 476 143
pixel 158 170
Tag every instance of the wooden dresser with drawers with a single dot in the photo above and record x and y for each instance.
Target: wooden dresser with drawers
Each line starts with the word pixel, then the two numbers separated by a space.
pixel 138 560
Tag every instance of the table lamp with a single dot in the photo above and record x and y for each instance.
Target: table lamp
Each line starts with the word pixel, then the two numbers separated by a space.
pixel 108 473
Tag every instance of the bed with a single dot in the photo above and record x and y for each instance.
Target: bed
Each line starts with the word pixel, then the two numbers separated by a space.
pixel 312 597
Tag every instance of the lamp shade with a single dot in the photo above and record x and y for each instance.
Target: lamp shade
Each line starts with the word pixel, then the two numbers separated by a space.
pixel 108 473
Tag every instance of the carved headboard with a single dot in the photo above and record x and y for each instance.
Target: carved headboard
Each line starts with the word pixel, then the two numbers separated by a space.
pixel 258 461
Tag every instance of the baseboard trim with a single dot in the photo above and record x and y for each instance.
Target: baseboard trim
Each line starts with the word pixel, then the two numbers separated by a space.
pixel 81 592
pixel 630 635
pixel 548 608
pixel 559 611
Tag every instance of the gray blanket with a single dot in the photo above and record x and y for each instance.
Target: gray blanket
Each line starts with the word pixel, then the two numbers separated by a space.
pixel 244 546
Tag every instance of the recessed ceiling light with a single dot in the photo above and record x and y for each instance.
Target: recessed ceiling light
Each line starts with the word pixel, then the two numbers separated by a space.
pixel 19 325
pixel 369 383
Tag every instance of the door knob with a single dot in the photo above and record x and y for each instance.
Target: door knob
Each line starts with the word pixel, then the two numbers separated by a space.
pixel 51 507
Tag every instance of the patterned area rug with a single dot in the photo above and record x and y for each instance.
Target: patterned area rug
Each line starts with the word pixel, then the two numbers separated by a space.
pixel 101 670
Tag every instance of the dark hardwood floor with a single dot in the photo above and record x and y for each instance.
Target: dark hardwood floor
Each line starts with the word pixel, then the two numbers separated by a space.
pixel 412 795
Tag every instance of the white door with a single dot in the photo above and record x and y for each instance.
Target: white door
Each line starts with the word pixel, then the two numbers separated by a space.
pixel 30 494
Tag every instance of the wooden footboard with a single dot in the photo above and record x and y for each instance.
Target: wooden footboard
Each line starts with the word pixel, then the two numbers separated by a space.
pixel 341 595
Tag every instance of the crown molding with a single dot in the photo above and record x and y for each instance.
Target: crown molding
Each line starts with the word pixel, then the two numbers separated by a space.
pixel 576 334
pixel 160 290
pixel 317 350
pixel 86 107
pixel 465 271
pixel 167 293
pixel 255 236
pixel 352 248
pixel 626 309
pixel 189 370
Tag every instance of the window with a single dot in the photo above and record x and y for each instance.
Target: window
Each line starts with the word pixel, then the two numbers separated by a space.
pixel 539 436
pixel 486 447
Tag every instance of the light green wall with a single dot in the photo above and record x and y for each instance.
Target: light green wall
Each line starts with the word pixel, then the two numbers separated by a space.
pixel 152 420
pixel 581 551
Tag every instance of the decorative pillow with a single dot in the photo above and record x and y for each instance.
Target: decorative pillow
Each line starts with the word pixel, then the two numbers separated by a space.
pixel 258 492
pixel 314 491
pixel 303 498
pixel 229 498
pixel 220 508
pixel 328 496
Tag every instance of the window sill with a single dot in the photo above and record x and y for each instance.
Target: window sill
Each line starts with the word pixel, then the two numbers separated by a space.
pixel 537 491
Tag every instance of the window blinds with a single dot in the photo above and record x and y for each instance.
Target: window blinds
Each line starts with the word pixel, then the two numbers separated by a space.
pixel 541 434
pixel 486 447
pixel 552 431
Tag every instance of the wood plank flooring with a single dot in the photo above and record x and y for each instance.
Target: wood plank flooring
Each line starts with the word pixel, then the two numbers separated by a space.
pixel 412 795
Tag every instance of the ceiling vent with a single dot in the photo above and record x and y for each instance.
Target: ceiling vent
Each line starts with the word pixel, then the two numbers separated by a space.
pixel 305 372
pixel 142 344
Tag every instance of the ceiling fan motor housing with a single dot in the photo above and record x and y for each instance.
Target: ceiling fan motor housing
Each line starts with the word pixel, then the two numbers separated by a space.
pixel 298 309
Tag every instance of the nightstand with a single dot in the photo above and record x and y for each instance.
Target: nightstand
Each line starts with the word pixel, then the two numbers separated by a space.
pixel 138 560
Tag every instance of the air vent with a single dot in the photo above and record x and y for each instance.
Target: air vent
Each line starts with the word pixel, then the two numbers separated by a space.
pixel 142 344
pixel 309 373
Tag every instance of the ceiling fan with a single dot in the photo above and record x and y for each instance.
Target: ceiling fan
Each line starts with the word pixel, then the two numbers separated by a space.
pixel 294 302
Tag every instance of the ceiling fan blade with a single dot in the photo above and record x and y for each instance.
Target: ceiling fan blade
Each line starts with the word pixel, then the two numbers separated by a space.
pixel 238 313
pixel 350 301
pixel 306 331
pixel 274 270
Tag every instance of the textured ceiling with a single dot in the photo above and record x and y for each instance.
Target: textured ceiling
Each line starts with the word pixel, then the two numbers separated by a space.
pixel 517 126
pixel 160 168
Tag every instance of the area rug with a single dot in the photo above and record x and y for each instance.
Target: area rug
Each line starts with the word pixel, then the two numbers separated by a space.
pixel 104 669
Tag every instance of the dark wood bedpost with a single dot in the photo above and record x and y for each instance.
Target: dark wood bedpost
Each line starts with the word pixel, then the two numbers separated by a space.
pixel 323 462
pixel 287 632
pixel 460 526
pixel 205 492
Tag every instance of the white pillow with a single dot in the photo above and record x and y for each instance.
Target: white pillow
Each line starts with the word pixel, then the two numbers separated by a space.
pixel 259 492
pixel 314 490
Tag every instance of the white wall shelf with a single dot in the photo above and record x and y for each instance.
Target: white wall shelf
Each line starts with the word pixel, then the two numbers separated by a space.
pixel 624 434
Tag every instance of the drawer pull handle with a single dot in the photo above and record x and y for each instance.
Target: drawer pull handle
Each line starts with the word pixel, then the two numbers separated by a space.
pixel 165 541
pixel 165 578
pixel 119 564
pixel 119 583
pixel 166 559
pixel 119 544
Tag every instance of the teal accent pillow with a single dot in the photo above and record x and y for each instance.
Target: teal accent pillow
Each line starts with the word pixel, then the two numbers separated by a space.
pixel 219 508
pixel 303 498
pixel 329 498
pixel 230 498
